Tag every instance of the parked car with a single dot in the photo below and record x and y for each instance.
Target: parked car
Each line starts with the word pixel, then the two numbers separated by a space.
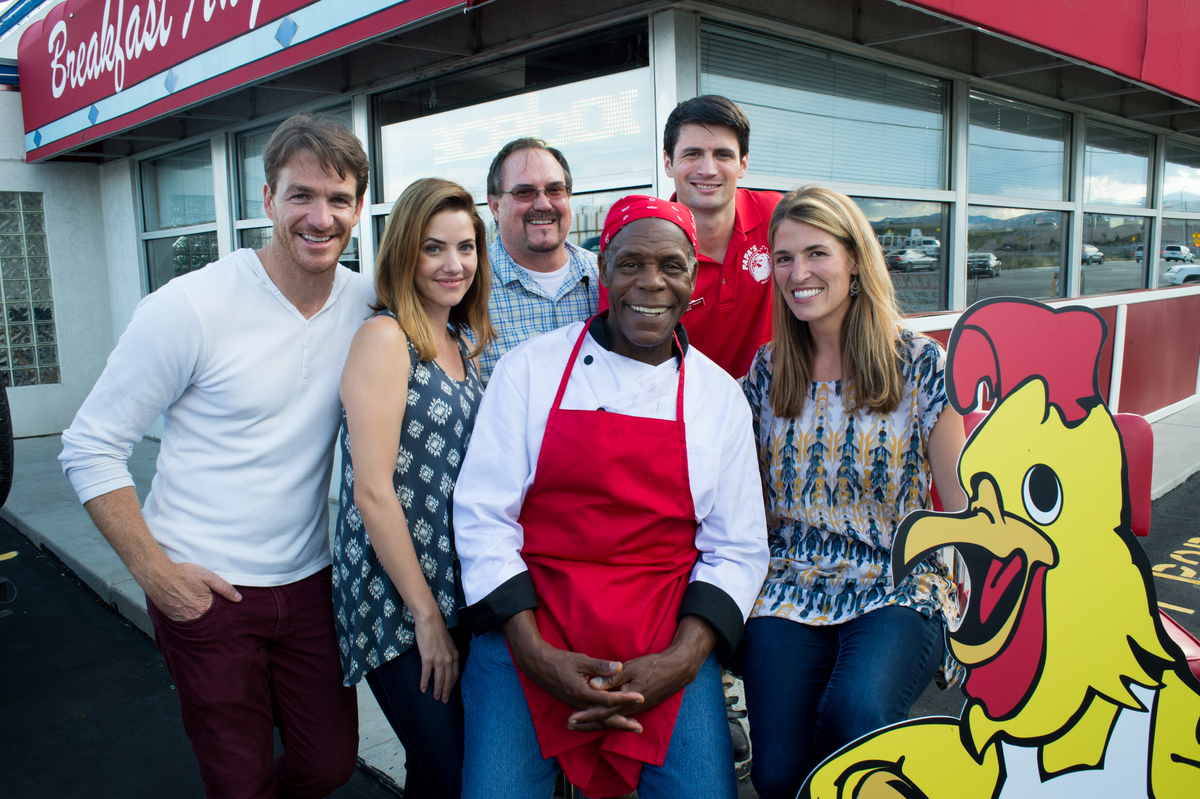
pixel 1138 251
pixel 926 244
pixel 1179 275
pixel 591 244
pixel 983 263
pixel 908 260
pixel 1176 252
pixel 1092 254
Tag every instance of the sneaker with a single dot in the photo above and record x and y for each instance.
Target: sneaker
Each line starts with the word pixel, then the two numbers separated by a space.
pixel 737 733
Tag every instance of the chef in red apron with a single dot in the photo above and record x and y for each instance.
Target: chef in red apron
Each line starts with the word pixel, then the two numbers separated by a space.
pixel 610 524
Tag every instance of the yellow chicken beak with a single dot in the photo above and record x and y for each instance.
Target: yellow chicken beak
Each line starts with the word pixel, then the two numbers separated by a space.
pixel 1001 552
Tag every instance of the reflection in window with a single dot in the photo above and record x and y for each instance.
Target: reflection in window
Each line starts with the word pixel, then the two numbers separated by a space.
pixel 1015 252
pixel 592 98
pixel 1179 252
pixel 1181 182
pixel 177 190
pixel 590 210
pixel 1116 167
pixel 177 255
pixel 913 238
pixel 252 176
pixel 1016 150
pixel 1113 248
pixel 816 115
pixel 601 126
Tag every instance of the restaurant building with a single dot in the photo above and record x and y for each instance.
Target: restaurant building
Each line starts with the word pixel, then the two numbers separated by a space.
pixel 1032 149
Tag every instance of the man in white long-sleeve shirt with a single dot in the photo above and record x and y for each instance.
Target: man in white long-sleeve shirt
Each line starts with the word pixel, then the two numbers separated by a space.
pixel 609 519
pixel 242 359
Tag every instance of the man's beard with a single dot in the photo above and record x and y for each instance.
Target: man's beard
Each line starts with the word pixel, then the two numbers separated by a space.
pixel 543 246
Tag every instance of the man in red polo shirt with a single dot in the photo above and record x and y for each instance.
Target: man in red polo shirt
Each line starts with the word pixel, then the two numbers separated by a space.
pixel 706 145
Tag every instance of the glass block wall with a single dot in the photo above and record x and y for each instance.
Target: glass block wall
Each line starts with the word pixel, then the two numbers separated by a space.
pixel 28 340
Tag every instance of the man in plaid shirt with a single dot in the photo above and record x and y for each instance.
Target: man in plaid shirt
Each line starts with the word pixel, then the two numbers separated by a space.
pixel 540 280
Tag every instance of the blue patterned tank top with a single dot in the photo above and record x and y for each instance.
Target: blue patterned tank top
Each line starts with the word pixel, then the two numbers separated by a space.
pixel 373 623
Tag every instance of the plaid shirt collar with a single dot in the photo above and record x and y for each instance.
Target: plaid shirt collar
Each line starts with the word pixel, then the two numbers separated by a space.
pixel 507 272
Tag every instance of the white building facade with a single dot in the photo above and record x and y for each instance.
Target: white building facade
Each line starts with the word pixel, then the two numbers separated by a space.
pixel 1033 173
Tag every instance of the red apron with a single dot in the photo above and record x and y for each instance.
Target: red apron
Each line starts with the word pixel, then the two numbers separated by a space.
pixel 610 542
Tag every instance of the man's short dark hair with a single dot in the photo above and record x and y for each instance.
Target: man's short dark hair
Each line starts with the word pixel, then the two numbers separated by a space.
pixel 707 109
pixel 334 146
pixel 495 173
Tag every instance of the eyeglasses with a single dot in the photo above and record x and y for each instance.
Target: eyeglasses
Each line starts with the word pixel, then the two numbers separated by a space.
pixel 555 191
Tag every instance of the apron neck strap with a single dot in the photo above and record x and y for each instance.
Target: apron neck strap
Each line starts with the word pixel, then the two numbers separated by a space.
pixel 587 326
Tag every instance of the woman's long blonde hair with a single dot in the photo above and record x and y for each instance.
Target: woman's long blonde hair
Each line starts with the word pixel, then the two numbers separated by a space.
pixel 871 361
pixel 396 266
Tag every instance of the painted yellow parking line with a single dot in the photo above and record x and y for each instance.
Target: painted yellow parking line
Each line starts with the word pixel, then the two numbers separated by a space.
pixel 1176 608
pixel 1174 577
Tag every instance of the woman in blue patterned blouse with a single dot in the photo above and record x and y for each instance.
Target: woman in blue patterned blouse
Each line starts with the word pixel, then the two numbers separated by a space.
pixel 850 416
pixel 410 392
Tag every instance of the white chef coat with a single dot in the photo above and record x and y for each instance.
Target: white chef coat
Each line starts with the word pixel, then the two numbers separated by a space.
pixel 501 460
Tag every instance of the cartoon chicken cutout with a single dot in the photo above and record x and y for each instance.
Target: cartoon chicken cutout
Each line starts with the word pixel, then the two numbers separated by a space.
pixel 1074 688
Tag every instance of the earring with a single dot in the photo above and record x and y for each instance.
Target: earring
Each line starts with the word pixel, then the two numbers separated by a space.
pixel 854 287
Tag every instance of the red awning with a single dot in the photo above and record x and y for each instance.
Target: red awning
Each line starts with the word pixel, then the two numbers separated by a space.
pixel 1153 42
pixel 93 68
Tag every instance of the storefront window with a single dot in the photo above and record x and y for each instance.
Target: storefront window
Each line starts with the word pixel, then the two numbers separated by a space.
pixel 28 338
pixel 914 242
pixel 816 115
pixel 177 255
pixel 591 98
pixel 1015 252
pixel 1179 254
pixel 1016 150
pixel 1181 182
pixel 1116 167
pixel 177 192
pixel 602 126
pixel 1113 253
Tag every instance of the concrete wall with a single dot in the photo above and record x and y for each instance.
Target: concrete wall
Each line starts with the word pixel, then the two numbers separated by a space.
pixel 121 247
pixel 75 226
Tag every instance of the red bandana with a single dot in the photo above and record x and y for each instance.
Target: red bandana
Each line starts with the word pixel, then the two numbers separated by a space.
pixel 639 206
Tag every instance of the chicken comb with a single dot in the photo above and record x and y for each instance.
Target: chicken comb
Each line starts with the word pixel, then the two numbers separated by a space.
pixel 1003 341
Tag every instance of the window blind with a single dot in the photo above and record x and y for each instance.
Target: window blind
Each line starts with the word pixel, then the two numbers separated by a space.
pixel 816 115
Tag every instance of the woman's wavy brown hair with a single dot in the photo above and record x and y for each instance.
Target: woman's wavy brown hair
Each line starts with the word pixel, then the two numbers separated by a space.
pixel 396 266
pixel 871 359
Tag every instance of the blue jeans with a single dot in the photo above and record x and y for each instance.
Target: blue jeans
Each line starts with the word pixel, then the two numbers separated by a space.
pixel 810 690
pixel 430 731
pixel 503 758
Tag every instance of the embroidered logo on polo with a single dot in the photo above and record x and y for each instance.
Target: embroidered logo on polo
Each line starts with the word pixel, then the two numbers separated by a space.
pixel 757 261
pixel 439 416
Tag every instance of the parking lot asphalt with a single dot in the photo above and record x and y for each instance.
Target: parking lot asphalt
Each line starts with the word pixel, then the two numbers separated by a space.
pixel 87 708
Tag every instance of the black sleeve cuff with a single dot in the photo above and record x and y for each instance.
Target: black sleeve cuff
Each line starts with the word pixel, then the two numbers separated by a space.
pixel 513 596
pixel 718 609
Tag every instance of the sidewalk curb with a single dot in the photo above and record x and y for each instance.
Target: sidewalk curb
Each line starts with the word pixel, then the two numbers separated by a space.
pixel 108 593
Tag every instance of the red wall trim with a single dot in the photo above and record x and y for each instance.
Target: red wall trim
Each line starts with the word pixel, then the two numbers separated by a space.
pixel 39 106
pixel 1162 353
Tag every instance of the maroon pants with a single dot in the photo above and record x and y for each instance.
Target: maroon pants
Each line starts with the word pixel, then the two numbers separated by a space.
pixel 243 668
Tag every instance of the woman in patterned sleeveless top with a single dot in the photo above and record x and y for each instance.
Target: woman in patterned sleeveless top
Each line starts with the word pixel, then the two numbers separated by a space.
pixel 850 415
pixel 410 392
